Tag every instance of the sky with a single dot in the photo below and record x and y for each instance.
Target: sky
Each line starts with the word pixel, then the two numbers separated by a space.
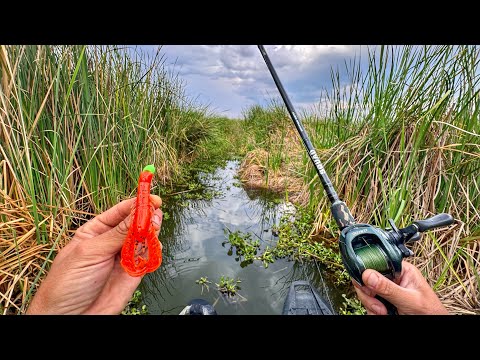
pixel 231 78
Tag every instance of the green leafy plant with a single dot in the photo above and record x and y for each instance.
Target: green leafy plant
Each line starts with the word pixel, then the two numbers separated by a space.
pixel 203 281
pixel 245 248
pixel 133 307
pixel 294 242
pixel 228 286
pixel 352 306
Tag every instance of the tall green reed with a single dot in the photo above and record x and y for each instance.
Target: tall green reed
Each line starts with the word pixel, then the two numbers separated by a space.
pixel 79 123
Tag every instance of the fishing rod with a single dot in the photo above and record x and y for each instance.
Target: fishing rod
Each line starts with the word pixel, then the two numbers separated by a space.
pixel 362 246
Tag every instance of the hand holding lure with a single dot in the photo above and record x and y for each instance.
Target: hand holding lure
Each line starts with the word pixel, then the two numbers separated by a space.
pixel 141 251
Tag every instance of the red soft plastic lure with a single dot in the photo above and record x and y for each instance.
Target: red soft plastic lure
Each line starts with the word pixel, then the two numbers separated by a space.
pixel 141 251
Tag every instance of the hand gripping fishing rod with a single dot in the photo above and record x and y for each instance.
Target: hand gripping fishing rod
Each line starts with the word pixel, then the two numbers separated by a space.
pixel 362 246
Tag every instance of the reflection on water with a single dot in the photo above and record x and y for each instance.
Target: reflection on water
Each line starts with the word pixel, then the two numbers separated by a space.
pixel 192 247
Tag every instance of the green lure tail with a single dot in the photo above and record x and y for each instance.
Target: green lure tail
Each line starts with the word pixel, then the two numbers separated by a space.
pixel 149 168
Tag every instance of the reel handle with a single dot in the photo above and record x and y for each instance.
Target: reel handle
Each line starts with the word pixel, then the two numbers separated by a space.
pixel 413 232
pixel 433 222
pixel 391 309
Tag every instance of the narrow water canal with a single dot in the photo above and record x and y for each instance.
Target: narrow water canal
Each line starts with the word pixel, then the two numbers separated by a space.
pixel 192 239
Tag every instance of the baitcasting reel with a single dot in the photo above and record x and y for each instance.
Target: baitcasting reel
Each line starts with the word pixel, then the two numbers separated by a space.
pixel 364 246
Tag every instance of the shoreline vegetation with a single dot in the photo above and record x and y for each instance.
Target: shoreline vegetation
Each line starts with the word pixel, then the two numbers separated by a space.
pixel 400 141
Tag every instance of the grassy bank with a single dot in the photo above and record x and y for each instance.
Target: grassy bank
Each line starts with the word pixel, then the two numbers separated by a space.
pixel 400 140
pixel 77 124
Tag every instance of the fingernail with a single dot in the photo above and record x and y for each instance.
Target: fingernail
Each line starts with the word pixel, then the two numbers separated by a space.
pixel 156 219
pixel 376 309
pixel 372 280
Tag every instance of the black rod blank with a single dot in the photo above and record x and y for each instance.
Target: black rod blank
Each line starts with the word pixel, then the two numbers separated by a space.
pixel 327 184
pixel 339 209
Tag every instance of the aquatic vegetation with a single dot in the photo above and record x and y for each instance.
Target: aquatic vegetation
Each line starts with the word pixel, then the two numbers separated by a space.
pixel 133 306
pixel 245 247
pixel 352 306
pixel 203 282
pixel 228 286
pixel 197 189
pixel 294 242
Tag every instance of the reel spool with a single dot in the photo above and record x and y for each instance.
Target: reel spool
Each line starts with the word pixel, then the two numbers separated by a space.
pixel 364 246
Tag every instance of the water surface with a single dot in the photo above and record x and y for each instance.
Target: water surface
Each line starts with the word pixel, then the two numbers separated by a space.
pixel 192 239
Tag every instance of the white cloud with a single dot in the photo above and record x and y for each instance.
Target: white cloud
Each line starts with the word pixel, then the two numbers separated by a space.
pixel 233 77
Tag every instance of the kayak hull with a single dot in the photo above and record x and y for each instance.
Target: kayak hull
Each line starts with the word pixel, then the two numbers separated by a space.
pixel 303 299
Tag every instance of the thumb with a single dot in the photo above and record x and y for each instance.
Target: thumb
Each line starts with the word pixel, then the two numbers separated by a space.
pixel 383 286
pixel 111 242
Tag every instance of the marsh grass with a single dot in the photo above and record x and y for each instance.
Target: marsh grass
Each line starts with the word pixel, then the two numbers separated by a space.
pixel 275 155
pixel 401 141
pixel 77 124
